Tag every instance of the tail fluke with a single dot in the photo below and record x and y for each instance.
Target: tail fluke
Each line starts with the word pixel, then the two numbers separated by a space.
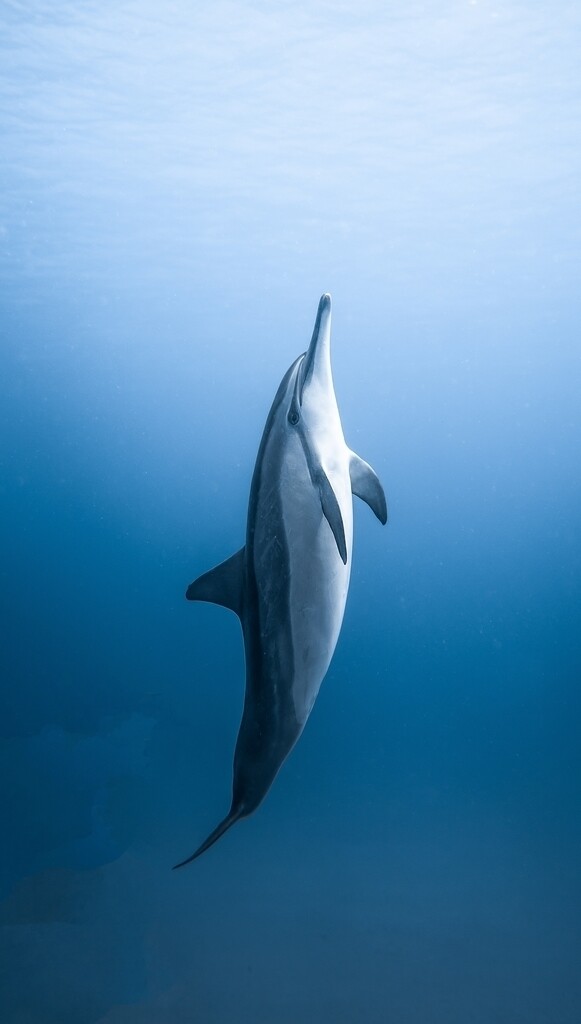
pixel 232 817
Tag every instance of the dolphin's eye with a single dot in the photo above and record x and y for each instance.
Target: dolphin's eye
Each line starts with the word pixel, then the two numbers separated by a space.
pixel 293 417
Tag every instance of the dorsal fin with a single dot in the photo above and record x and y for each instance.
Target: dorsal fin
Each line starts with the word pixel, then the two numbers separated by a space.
pixel 222 585
pixel 365 484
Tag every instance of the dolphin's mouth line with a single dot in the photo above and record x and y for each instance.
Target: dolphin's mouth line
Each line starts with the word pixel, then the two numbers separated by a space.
pixel 308 361
pixel 300 381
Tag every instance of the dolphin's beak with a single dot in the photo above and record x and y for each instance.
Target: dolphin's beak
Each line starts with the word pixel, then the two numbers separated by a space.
pixel 317 361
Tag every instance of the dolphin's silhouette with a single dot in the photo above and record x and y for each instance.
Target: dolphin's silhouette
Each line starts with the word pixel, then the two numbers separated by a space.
pixel 289 583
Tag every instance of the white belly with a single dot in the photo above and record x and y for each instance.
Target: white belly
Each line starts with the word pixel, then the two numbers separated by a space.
pixel 319 580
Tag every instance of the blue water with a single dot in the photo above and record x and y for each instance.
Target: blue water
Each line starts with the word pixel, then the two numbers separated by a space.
pixel 178 185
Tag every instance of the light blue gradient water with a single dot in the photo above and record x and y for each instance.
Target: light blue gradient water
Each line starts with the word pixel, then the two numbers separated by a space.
pixel 179 183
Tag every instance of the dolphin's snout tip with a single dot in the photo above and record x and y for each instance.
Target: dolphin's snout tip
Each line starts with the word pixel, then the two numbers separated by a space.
pixel 324 304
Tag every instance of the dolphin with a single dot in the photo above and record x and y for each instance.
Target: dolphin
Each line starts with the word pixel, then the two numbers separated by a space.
pixel 289 583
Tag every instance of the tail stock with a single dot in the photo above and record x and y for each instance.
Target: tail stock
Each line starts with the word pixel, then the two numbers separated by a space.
pixel 224 825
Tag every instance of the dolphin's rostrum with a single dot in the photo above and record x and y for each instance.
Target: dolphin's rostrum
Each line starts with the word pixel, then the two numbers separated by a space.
pixel 289 583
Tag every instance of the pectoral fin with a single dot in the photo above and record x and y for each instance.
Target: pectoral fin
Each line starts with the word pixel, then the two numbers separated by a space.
pixel 365 484
pixel 332 513
pixel 222 585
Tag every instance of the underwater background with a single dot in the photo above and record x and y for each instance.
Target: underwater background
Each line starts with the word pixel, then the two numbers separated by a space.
pixel 179 183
